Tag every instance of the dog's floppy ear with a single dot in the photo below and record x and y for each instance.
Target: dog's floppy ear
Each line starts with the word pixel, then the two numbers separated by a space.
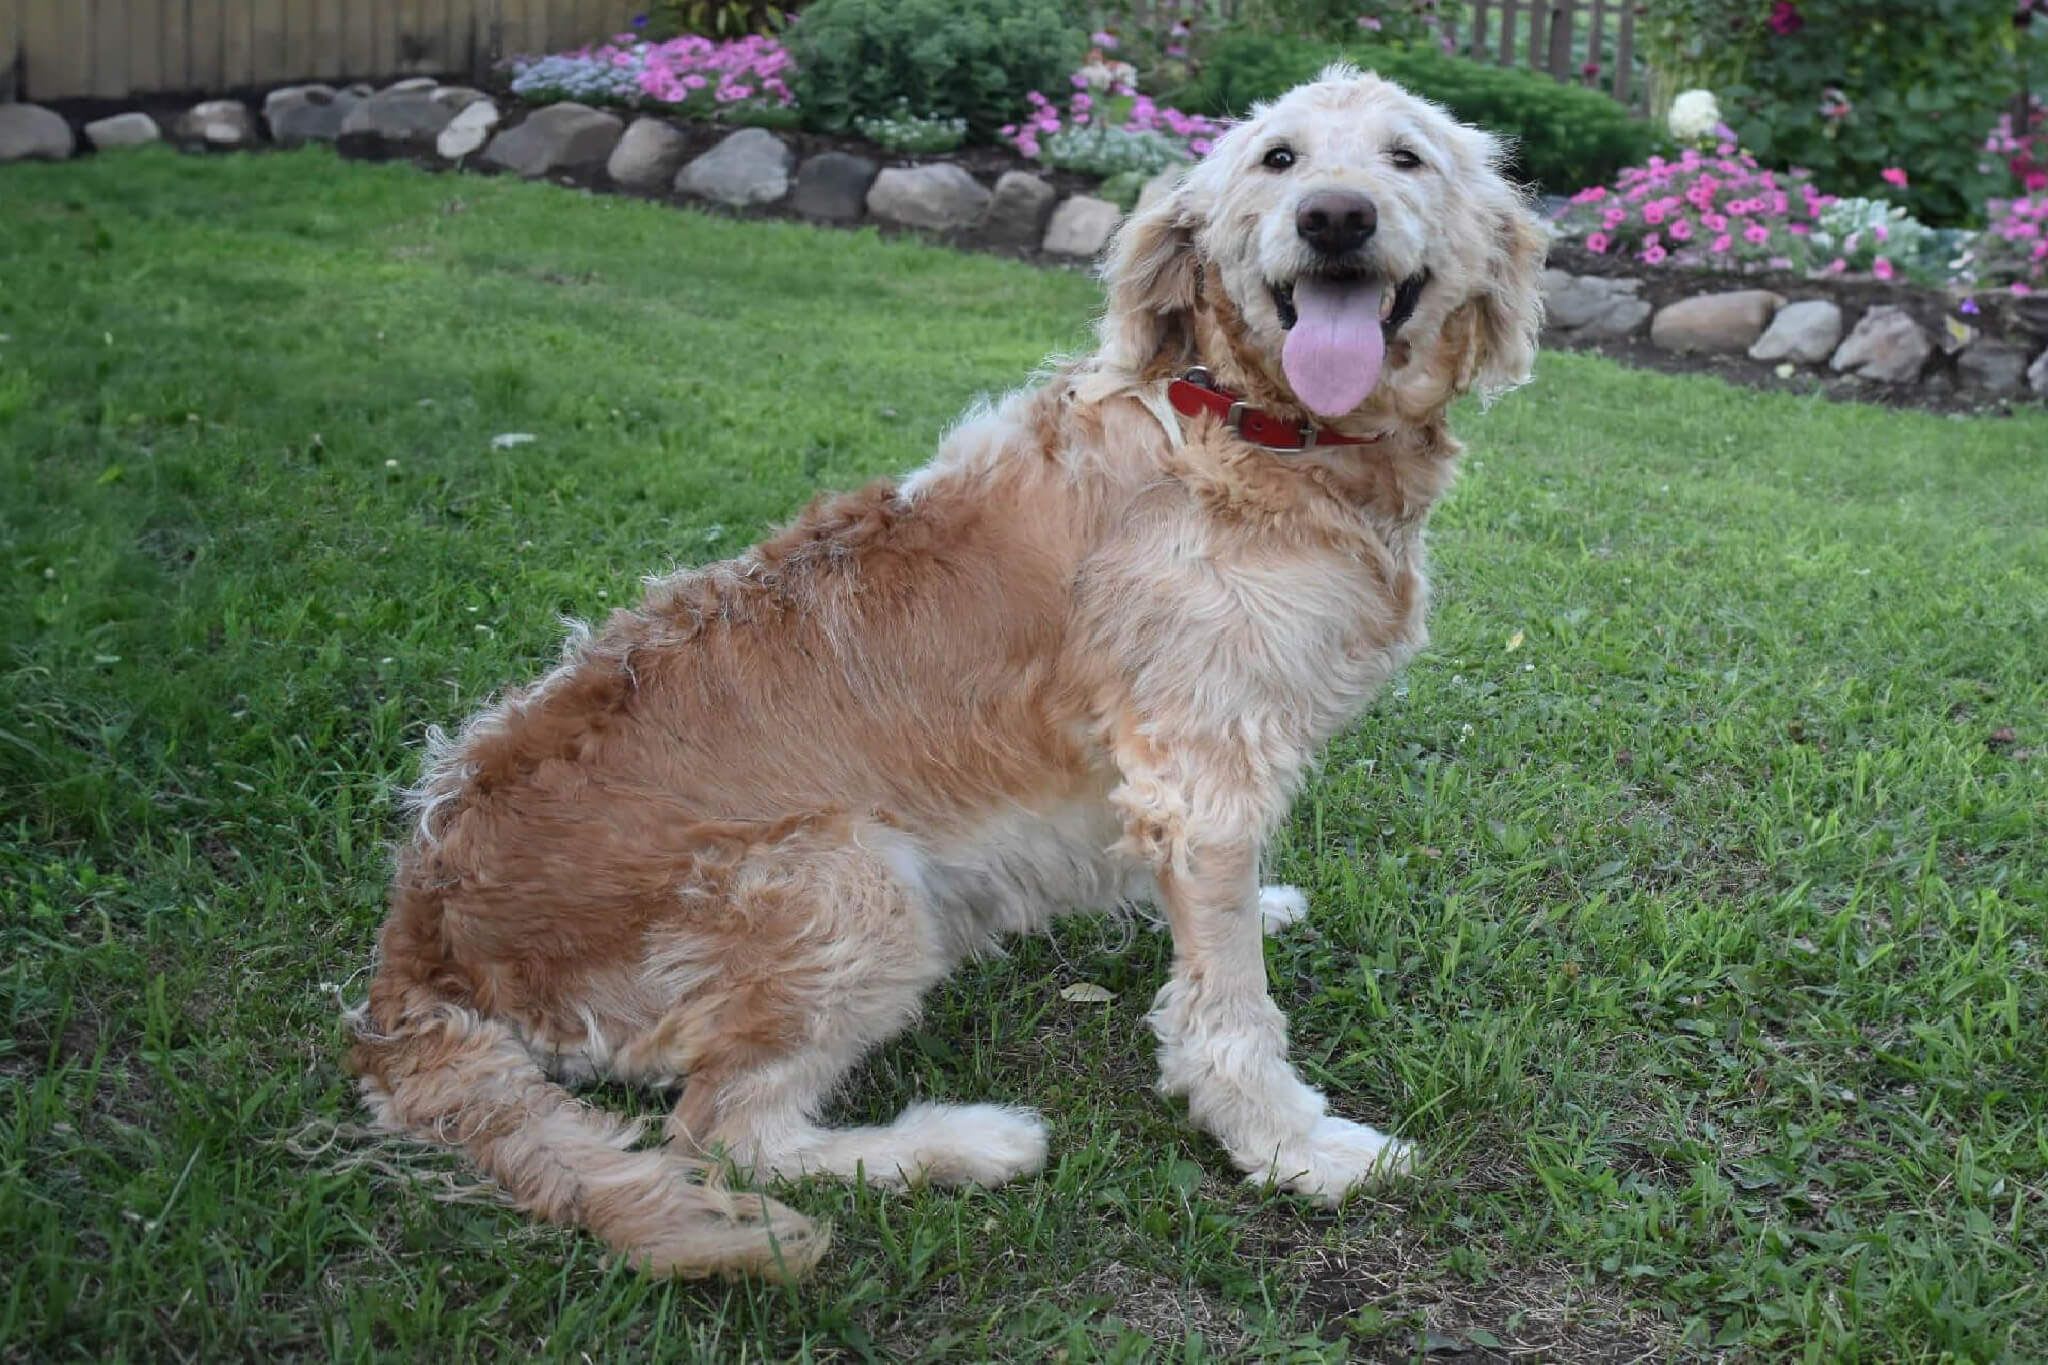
pixel 1509 308
pixel 1151 273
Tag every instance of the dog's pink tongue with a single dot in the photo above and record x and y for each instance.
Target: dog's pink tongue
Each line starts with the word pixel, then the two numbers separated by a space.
pixel 1335 349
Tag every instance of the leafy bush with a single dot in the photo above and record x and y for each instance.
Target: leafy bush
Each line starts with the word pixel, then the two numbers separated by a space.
pixel 1110 132
pixel 2013 249
pixel 1563 136
pixel 1882 237
pixel 719 18
pixel 1101 151
pixel 967 59
pixel 1850 87
pixel 904 131
pixel 744 80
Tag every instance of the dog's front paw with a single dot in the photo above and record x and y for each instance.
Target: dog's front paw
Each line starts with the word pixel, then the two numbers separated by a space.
pixel 1336 1157
pixel 1280 906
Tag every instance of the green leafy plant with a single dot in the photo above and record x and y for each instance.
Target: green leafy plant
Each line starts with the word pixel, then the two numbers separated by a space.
pixel 1849 88
pixel 1097 150
pixel 1562 137
pixel 967 59
pixel 720 18
pixel 906 132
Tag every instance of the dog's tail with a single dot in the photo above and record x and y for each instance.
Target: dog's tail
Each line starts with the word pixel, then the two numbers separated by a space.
pixel 448 1075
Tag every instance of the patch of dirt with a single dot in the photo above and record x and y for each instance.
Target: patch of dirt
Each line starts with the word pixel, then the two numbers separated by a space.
pixel 1533 1313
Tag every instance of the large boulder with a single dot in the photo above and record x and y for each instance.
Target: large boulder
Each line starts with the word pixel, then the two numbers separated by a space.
pixel 1081 226
pixel 1995 366
pixel 31 132
pixel 1887 345
pixel 1727 323
pixel 122 130
pixel 407 112
pixel 1017 212
pixel 833 186
pixel 648 156
pixel 1594 306
pixel 940 197
pixel 468 131
pixel 1807 331
pixel 307 113
pixel 561 137
pixel 219 123
pixel 748 167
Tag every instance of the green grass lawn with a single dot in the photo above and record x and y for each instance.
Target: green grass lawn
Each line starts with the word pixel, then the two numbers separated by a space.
pixel 1686 901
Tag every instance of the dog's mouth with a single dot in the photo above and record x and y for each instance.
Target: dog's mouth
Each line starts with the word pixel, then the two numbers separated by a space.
pixel 1338 325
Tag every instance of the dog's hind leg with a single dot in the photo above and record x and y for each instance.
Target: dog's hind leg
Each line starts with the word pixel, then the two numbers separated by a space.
pixel 826 955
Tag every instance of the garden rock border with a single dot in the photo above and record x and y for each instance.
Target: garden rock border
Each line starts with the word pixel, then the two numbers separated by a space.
pixel 1849 339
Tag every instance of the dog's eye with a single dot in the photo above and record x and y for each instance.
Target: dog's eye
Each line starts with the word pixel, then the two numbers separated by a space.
pixel 1279 159
pixel 1404 159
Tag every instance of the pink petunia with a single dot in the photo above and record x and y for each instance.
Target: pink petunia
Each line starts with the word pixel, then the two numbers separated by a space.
pixel 1654 255
pixel 1597 243
pixel 2020 291
pixel 1721 245
pixel 1892 175
pixel 1653 212
pixel 1681 231
pixel 1756 234
pixel 1882 268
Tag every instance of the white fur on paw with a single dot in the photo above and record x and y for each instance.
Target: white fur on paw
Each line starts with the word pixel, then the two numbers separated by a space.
pixel 1335 1158
pixel 1280 906
pixel 969 1144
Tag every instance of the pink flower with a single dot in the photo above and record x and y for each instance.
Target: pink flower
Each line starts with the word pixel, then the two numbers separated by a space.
pixel 1756 234
pixel 1836 266
pixel 1103 39
pixel 1892 175
pixel 2020 291
pixel 1681 231
pixel 1713 222
pixel 1613 218
pixel 1785 19
pixel 1654 255
pixel 1369 23
pixel 1597 243
pixel 1882 268
pixel 1591 195
pixel 1722 244
pixel 1653 212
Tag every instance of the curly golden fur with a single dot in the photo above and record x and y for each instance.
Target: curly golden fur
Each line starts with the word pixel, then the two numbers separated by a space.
pixel 1086 655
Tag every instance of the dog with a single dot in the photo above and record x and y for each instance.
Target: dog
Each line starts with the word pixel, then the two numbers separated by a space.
pixel 1084 657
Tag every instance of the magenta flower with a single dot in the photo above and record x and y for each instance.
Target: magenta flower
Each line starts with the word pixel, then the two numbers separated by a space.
pixel 1882 268
pixel 1597 243
pixel 1785 19
pixel 1681 231
pixel 1756 234
pixel 1892 175
pixel 2020 291
pixel 1654 255
pixel 1103 39
pixel 1721 245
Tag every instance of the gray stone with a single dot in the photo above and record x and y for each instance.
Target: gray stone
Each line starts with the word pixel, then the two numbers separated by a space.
pixel 1807 331
pixel 457 97
pixel 1081 226
pixel 939 197
pixel 648 156
pixel 1016 214
pixel 29 130
pixel 1729 322
pixel 290 96
pixel 1886 345
pixel 1157 188
pixel 2037 375
pixel 1995 366
pixel 122 130
pixel 748 167
pixel 410 85
pixel 561 137
pixel 833 186
pixel 400 115
pixel 468 131
pixel 1624 317
pixel 219 123
pixel 313 118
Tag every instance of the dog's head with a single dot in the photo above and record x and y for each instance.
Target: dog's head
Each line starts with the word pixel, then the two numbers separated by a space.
pixel 1369 255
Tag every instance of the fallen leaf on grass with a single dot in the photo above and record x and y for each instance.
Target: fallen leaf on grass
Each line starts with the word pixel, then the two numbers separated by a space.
pixel 1086 993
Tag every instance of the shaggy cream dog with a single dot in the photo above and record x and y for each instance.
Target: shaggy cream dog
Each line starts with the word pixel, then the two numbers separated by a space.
pixel 1086 655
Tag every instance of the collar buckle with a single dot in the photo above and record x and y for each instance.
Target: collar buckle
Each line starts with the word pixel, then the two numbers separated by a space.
pixel 1305 432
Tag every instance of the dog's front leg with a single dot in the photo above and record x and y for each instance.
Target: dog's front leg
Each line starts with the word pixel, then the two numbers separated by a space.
pixel 1222 1040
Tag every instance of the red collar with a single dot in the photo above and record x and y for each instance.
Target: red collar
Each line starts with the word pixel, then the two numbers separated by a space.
pixel 1195 393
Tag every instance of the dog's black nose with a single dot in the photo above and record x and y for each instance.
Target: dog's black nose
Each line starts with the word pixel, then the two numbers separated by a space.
pixel 1336 221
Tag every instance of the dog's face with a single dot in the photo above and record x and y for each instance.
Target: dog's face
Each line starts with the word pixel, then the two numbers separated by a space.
pixel 1355 230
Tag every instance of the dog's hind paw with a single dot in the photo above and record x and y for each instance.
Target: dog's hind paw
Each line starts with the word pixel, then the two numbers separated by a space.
pixel 1280 906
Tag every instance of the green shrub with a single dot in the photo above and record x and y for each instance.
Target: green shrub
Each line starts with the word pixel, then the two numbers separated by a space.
pixel 966 59
pixel 1101 151
pixel 1563 137
pixel 1847 88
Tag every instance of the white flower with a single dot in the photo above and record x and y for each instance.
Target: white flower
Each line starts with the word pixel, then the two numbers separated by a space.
pixel 1694 115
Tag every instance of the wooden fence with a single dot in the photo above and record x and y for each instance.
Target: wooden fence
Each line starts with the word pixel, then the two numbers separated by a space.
pixel 1581 42
pixel 115 49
